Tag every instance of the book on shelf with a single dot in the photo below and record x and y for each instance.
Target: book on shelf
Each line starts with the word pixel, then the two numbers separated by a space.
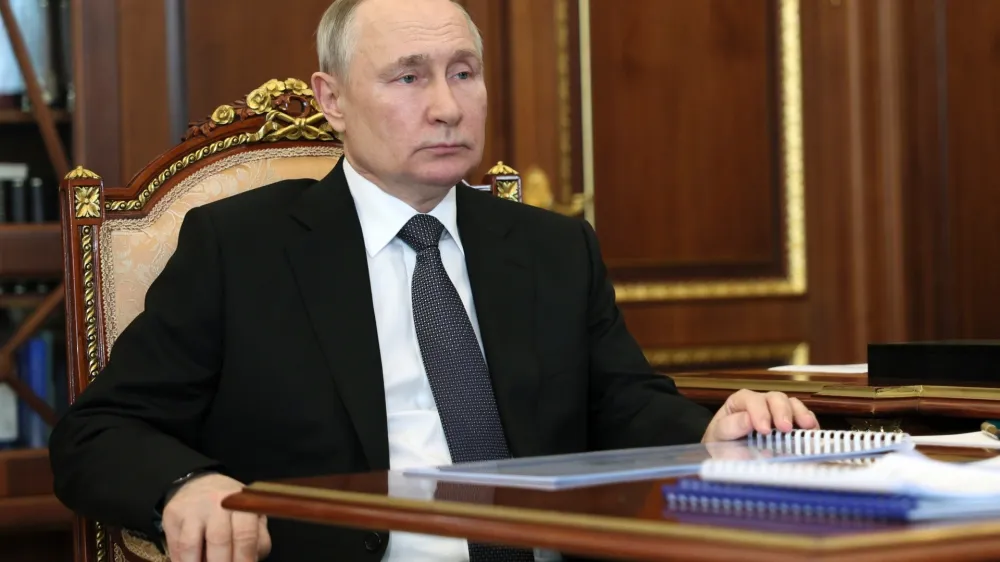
pixel 24 197
pixel 41 366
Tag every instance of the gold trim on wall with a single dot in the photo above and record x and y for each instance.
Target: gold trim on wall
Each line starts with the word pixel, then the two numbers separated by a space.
pixel 793 353
pixel 794 282
pixel 565 103
pixel 586 112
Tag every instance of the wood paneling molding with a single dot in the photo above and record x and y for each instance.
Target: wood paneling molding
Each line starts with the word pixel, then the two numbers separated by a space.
pixel 690 209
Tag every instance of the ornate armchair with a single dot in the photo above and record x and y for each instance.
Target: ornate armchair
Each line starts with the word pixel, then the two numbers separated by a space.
pixel 117 239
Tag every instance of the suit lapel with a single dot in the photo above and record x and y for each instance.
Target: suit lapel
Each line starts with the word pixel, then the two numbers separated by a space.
pixel 503 289
pixel 331 269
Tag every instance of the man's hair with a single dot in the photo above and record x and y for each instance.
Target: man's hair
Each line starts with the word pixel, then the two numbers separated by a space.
pixel 336 37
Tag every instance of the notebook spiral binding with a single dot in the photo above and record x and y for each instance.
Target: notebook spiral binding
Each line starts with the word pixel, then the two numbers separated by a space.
pixel 823 441
pixel 692 496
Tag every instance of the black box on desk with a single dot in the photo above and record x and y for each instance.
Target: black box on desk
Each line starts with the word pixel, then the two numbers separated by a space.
pixel 942 363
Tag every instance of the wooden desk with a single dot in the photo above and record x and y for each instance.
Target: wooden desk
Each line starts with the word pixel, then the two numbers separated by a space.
pixel 623 521
pixel 848 396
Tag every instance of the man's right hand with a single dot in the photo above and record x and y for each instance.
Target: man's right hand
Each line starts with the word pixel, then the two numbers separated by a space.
pixel 198 529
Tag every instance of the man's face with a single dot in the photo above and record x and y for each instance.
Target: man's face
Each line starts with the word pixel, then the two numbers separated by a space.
pixel 414 106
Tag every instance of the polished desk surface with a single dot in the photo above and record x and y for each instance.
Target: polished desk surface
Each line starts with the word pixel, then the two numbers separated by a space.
pixel 845 394
pixel 627 521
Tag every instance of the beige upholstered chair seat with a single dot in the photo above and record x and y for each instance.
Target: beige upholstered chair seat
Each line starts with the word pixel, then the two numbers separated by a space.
pixel 137 250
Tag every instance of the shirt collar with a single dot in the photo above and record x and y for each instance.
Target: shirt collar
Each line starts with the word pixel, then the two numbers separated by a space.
pixel 382 215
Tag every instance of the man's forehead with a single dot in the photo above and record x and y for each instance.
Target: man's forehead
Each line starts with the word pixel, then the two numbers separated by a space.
pixel 392 23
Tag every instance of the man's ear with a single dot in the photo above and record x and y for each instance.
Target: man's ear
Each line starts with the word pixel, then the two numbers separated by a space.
pixel 327 90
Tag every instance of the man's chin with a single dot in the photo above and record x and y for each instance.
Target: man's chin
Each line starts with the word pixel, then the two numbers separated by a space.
pixel 445 174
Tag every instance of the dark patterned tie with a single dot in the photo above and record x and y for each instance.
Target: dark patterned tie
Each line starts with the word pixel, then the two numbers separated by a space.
pixel 455 366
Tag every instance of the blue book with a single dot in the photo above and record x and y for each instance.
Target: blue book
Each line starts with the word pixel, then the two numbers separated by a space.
pixel 34 373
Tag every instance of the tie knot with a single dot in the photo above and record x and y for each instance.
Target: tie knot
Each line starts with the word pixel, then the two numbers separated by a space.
pixel 421 231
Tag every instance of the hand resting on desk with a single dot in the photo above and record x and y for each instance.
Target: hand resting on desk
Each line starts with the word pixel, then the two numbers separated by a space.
pixel 746 411
pixel 199 529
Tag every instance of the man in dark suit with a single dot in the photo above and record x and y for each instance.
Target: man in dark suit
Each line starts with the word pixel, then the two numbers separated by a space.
pixel 385 316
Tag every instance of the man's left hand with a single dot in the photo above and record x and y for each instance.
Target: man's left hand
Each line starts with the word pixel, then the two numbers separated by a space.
pixel 747 411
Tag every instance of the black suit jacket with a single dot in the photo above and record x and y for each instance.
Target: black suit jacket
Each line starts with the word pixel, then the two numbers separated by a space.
pixel 257 356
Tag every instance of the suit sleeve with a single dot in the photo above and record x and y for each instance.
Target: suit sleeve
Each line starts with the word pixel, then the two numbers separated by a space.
pixel 630 404
pixel 134 429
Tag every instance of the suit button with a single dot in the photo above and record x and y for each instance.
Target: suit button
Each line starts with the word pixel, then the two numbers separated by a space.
pixel 372 542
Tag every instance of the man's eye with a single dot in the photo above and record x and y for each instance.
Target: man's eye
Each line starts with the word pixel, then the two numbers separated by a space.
pixel 408 79
pixel 464 75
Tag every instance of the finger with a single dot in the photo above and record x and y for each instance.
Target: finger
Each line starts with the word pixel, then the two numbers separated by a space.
pixel 730 450
pixel 754 404
pixel 245 533
pixel 263 539
pixel 219 537
pixel 780 408
pixel 732 426
pixel 804 418
pixel 187 545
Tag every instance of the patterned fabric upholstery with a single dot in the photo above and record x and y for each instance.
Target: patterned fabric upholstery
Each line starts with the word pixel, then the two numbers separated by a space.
pixel 134 252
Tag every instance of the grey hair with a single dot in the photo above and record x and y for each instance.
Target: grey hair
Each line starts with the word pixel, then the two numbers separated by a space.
pixel 336 37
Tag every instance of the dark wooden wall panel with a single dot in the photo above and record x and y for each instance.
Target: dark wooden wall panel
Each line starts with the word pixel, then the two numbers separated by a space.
pixel 97 118
pixel 534 100
pixel 233 46
pixel 145 122
pixel 490 16
pixel 684 133
pixel 835 306
pixel 973 143
pixel 924 171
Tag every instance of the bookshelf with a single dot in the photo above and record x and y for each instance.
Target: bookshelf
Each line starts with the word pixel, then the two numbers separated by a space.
pixel 36 127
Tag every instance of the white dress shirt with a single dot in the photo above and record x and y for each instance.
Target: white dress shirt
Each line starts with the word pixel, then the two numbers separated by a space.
pixel 416 436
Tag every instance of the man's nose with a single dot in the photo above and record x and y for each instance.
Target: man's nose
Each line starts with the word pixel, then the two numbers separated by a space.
pixel 444 107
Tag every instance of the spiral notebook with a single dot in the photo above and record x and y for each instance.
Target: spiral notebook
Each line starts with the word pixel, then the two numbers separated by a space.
pixel 901 486
pixel 602 467
pixel 810 506
pixel 901 473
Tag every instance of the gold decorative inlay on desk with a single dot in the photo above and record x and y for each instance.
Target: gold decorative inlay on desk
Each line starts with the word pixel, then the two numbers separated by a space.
pixel 639 527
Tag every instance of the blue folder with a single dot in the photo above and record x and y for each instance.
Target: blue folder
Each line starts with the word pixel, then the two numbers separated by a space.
pixel 591 468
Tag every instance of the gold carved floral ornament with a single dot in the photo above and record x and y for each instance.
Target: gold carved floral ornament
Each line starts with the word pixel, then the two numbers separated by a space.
pixel 290 113
pixel 507 189
pixel 501 169
pixel 87 201
pixel 81 173
pixel 224 114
